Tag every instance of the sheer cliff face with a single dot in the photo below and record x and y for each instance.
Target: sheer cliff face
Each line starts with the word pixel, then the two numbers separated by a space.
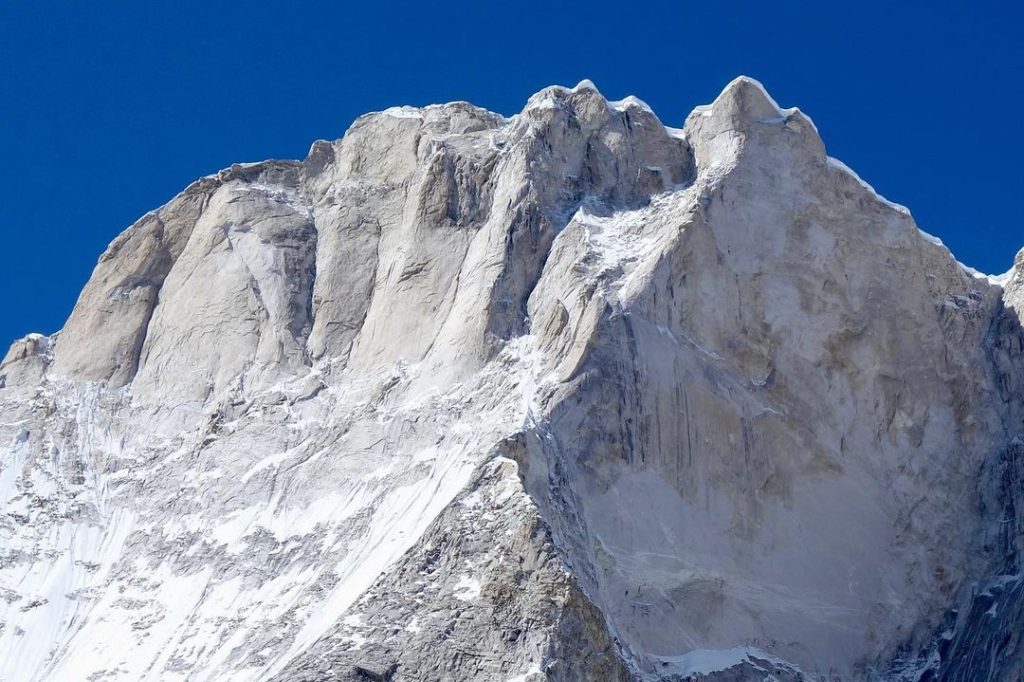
pixel 567 395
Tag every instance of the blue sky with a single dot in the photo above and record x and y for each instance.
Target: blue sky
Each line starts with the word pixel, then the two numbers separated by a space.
pixel 109 109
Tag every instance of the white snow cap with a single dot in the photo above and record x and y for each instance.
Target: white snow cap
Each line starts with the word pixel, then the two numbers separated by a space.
pixel 585 84
pixel 630 102
pixel 745 82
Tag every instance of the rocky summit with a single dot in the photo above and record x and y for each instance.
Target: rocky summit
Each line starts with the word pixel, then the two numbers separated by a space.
pixel 570 395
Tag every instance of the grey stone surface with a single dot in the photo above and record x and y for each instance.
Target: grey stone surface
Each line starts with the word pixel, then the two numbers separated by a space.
pixel 568 395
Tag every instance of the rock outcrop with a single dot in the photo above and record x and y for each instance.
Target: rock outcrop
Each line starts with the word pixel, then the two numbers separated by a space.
pixel 570 395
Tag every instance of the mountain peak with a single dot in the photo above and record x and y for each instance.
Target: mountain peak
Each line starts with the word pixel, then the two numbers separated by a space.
pixel 586 84
pixel 565 394
pixel 744 104
pixel 749 97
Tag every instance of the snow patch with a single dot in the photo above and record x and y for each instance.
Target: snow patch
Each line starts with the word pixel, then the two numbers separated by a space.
pixel 629 102
pixel 708 661
pixel 467 589
pixel 403 112
pixel 531 672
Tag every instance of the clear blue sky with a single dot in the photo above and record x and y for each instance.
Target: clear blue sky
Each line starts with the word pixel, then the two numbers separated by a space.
pixel 110 108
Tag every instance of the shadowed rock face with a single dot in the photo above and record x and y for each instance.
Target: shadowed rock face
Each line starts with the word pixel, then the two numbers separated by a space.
pixel 569 395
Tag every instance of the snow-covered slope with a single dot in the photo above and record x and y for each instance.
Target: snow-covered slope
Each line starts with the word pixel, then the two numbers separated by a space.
pixel 569 395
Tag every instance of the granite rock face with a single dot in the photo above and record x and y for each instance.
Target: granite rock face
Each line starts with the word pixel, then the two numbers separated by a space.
pixel 570 395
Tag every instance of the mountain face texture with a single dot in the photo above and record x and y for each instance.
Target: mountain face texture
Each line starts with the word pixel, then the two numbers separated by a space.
pixel 565 396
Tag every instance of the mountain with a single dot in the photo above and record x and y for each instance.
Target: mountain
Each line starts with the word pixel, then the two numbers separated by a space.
pixel 570 395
